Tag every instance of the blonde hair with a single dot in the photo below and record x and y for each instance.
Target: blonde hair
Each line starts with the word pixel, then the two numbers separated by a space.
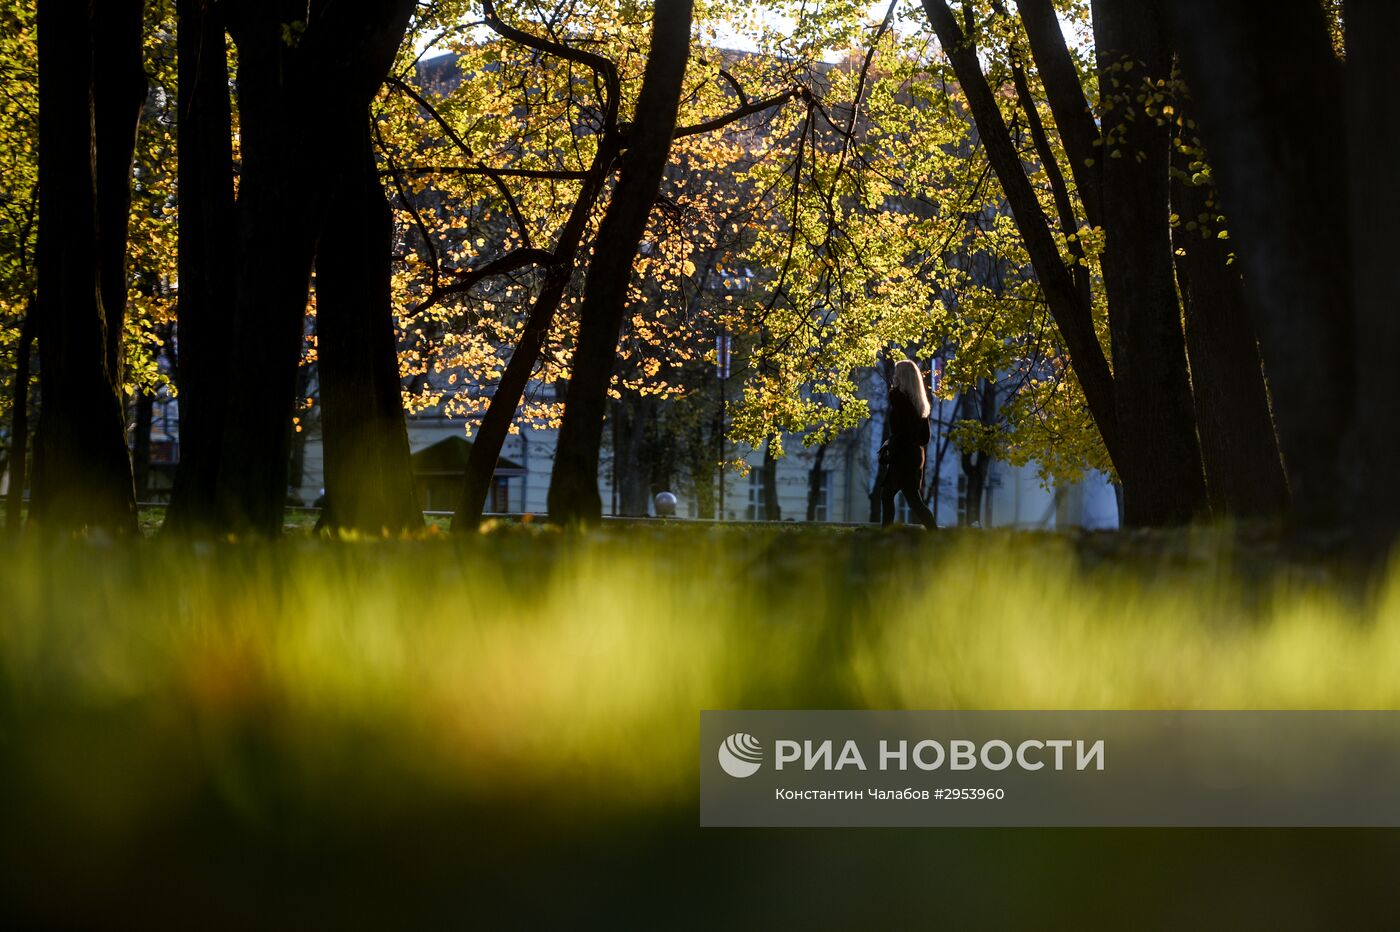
pixel 909 380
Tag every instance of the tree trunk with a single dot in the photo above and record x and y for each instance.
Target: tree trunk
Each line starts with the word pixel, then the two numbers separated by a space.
pixel 119 94
pixel 1286 195
pixel 277 226
pixel 980 406
pixel 702 467
pixel 296 465
pixel 1161 455
pixel 630 420
pixel 495 424
pixel 491 433
pixel 290 94
pixel 206 260
pixel 886 365
pixel 369 481
pixel 814 483
pixel 573 488
pixel 658 449
pixel 19 423
pixel 82 471
pixel 141 444
pixel 974 467
pixel 1244 475
pixel 1373 112
pixel 772 508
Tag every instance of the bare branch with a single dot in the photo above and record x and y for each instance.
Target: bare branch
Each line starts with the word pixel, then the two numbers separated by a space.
pixel 547 174
pixel 604 68
pixel 748 109
pixel 510 262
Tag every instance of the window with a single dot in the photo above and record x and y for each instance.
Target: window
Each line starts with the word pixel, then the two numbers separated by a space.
pixel 822 512
pixel 755 510
pixel 500 494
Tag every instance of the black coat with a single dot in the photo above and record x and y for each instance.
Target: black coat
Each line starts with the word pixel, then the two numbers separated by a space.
pixel 908 429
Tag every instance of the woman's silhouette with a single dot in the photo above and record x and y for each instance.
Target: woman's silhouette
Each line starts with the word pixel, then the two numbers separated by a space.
pixel 903 453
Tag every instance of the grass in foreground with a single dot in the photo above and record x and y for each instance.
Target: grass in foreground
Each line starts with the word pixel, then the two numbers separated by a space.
pixel 488 701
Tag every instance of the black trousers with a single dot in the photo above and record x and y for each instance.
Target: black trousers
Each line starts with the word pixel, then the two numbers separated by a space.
pixel 904 474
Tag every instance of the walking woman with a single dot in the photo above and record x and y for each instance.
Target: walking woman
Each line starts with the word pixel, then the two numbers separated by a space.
pixel 903 453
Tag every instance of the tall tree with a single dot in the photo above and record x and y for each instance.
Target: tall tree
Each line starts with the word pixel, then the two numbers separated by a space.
pixel 18 460
pixel 87 134
pixel 368 473
pixel 632 420
pixel 979 407
pixel 518 212
pixel 1160 460
pixel 768 478
pixel 207 242
pixel 573 488
pixel 1287 203
pixel 1072 316
pixel 305 72
pixel 1121 169
pixel 1239 447
pixel 1373 133
pixel 817 483
pixel 559 270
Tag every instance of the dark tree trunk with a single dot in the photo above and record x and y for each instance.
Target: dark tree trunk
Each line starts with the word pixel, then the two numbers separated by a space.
pixel 291 93
pixel 1244 475
pixel 772 508
pixel 277 226
pixel 308 422
pixel 658 450
pixel 630 421
pixel 206 260
pixel 573 488
pixel 703 467
pixel 1285 194
pixel 979 406
pixel 940 450
pixel 369 481
pixel 495 424
pixel 1161 455
pixel 974 467
pixel 141 444
pixel 1373 112
pixel 887 370
pixel 82 471
pixel 119 94
pixel 814 483
pixel 19 423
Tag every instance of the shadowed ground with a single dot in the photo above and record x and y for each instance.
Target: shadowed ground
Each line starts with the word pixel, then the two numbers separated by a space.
pixel 429 732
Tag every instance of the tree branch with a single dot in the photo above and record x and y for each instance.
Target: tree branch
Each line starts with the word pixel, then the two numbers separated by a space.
pixel 1063 90
pixel 496 175
pixel 748 109
pixel 547 174
pixel 417 220
pixel 1069 223
pixel 602 67
pixel 510 262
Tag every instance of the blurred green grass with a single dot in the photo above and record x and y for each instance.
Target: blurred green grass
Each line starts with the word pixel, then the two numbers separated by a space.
pixel 323 729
